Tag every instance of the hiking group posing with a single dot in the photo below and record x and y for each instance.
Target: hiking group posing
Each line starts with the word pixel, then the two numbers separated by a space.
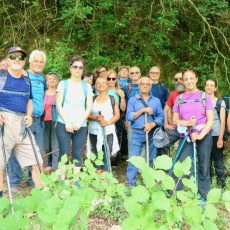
pixel 117 113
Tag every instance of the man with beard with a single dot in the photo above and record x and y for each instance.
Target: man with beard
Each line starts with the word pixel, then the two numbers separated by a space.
pixel 16 115
pixel 168 124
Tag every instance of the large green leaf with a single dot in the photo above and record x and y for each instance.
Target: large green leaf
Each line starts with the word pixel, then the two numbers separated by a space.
pixel 214 195
pixel 140 193
pixel 210 211
pixel 163 162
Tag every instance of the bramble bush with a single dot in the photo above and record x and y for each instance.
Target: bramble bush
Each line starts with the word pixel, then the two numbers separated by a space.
pixel 67 203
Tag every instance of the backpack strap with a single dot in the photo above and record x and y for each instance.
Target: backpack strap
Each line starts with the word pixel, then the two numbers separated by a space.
pixel 65 91
pixel 180 100
pixel 84 86
pixel 3 78
pixel 144 103
pixel 203 97
pixel 129 88
pixel 218 106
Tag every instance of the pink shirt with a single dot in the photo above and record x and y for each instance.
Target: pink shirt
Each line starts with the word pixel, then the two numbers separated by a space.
pixel 48 102
pixel 193 108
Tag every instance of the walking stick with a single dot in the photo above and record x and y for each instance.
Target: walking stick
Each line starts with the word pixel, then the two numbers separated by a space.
pixel 7 170
pixel 147 141
pixel 194 162
pixel 34 149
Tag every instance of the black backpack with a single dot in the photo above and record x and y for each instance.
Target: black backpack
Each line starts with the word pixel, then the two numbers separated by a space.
pixel 218 107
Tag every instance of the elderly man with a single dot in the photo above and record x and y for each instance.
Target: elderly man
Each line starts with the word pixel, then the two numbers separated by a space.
pixel 138 106
pixel 123 79
pixel 37 62
pixel 158 89
pixel 16 115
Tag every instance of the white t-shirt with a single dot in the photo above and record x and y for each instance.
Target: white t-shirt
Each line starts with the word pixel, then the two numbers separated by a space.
pixel 107 111
pixel 74 110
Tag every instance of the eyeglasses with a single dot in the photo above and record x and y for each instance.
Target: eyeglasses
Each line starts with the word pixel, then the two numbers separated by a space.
pixel 177 79
pixel 77 67
pixel 111 78
pixel 136 72
pixel 154 72
pixel 145 84
pixel 17 57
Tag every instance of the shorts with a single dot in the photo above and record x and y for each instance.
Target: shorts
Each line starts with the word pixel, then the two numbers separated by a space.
pixel 17 140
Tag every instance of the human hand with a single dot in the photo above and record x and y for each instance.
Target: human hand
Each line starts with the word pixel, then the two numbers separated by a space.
pixel 220 143
pixel 149 126
pixel 148 110
pixel 104 123
pixel 69 128
pixel 28 120
pixel 2 120
pixel 191 122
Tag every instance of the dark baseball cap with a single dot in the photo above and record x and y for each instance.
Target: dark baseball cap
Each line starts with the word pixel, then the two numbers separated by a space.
pixel 16 49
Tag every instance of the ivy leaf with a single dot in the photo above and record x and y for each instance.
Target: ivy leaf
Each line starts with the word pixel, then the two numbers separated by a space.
pixel 226 196
pixel 92 157
pixel 186 166
pixel 132 207
pixel 178 170
pixel 163 162
pixel 168 183
pixel 140 193
pixel 214 195
pixel 210 211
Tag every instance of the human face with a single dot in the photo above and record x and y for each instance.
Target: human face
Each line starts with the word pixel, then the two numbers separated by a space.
pixel 210 87
pixel 190 80
pixel 135 74
pixel 37 64
pixel 154 74
pixel 102 72
pixel 101 85
pixel 145 86
pixel 52 81
pixel 77 69
pixel 178 82
pixel 15 61
pixel 124 73
pixel 89 79
pixel 112 80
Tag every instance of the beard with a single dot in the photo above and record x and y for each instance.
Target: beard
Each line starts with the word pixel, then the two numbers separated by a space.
pixel 16 67
pixel 179 88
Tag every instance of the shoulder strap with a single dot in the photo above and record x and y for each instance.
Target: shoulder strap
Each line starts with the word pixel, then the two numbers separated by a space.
pixel 145 105
pixel 3 78
pixel 84 86
pixel 129 88
pixel 65 90
pixel 180 100
pixel 112 103
pixel 203 97
pixel 218 106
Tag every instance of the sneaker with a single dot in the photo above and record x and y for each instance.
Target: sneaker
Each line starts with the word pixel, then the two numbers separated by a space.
pixel 202 202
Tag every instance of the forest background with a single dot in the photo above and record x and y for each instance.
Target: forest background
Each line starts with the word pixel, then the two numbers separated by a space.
pixel 172 34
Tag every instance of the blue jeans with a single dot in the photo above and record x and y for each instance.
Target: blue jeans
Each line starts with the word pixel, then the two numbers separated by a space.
pixel 138 139
pixel 15 171
pixel 51 144
pixel 78 140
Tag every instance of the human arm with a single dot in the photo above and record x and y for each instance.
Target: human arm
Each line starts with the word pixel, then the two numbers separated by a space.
pixel 122 97
pixel 220 142
pixel 228 122
pixel 168 117
pixel 28 117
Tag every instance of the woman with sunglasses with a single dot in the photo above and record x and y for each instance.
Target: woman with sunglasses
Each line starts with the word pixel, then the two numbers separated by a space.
pixel 115 91
pixel 74 104
pixel 50 138
pixel 217 131
pixel 193 114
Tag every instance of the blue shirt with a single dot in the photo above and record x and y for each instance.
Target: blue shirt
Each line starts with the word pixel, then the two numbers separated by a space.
pixel 38 91
pixel 161 92
pixel 123 82
pixel 132 92
pixel 13 101
pixel 135 105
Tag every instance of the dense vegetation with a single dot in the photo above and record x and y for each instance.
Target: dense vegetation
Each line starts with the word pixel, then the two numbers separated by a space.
pixel 174 34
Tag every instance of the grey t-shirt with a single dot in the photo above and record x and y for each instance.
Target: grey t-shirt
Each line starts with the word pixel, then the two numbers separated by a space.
pixel 216 125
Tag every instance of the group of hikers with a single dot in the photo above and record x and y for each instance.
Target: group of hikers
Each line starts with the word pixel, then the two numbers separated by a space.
pixel 116 112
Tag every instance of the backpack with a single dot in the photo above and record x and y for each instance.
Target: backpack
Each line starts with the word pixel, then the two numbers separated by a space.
pixel 3 79
pixel 218 107
pixel 202 99
pixel 54 109
pixel 112 100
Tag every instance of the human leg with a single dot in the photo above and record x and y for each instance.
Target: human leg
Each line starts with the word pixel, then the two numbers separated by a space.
pixel 54 147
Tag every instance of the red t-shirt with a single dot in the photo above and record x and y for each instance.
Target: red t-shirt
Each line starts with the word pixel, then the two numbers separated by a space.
pixel 172 98
pixel 48 102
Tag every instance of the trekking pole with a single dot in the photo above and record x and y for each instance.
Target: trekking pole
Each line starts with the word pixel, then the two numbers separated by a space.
pixel 194 162
pixel 34 149
pixel 106 148
pixel 178 153
pixel 147 141
pixel 7 170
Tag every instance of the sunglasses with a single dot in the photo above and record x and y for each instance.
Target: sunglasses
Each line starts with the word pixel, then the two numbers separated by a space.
pixel 134 72
pixel 17 57
pixel 111 78
pixel 77 67
pixel 177 79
